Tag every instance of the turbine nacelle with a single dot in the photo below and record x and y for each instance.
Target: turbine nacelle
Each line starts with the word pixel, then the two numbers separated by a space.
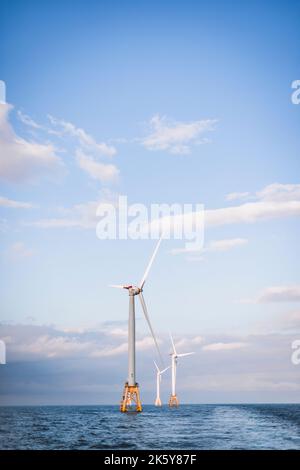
pixel 132 290
pixel 181 355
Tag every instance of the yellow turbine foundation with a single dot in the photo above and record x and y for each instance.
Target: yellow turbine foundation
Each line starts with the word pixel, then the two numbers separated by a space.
pixel 131 398
pixel 173 401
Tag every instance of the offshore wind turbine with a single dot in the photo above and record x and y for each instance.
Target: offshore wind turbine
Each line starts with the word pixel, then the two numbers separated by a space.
pixel 158 381
pixel 173 398
pixel 131 393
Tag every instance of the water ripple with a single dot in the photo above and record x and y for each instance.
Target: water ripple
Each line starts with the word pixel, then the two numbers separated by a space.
pixel 188 427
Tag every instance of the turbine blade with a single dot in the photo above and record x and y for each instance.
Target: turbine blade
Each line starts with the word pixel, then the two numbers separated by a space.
pixel 157 368
pixel 149 324
pixel 174 349
pixel 118 286
pixel 185 354
pixel 164 370
pixel 150 264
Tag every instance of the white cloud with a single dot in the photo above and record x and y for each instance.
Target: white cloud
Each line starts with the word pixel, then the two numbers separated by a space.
pixel 19 250
pixel 280 294
pixel 224 346
pixel 215 246
pixel 251 212
pixel 10 203
pixel 37 342
pixel 275 192
pixel 141 345
pixel 272 294
pixel 291 320
pixel 50 347
pixel 119 332
pixel 83 216
pixel 99 359
pixel 100 171
pixel 23 160
pixel 28 121
pixel 280 192
pixel 79 216
pixel 236 196
pixel 87 150
pixel 188 342
pixel 86 140
pixel 246 213
pixel 225 245
pixel 176 137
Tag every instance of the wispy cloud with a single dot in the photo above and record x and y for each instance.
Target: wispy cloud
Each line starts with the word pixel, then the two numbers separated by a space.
pixel 188 342
pixel 86 140
pixel 280 192
pixel 247 213
pixel 88 152
pixel 33 342
pixel 143 344
pixel 280 294
pixel 224 346
pixel 275 192
pixel 176 137
pixel 12 204
pixel 97 170
pixel 22 160
pixel 225 245
pixel 275 294
pixel 251 212
pixel 80 216
pixel 291 320
pixel 214 246
pixel 19 250
pixel 237 196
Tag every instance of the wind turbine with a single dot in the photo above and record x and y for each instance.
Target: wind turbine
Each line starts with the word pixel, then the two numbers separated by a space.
pixel 131 388
pixel 173 398
pixel 158 380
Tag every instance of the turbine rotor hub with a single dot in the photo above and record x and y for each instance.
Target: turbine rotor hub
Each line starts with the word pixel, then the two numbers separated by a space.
pixel 134 290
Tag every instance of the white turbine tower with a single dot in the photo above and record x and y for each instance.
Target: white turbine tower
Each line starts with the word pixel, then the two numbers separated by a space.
pixel 158 381
pixel 173 398
pixel 131 389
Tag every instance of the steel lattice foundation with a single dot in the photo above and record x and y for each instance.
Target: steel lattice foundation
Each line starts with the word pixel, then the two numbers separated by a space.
pixel 131 399
pixel 173 401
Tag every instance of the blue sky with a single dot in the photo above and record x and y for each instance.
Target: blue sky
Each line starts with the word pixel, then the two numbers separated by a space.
pixel 109 68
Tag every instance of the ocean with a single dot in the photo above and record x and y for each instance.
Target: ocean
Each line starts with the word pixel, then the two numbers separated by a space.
pixel 256 426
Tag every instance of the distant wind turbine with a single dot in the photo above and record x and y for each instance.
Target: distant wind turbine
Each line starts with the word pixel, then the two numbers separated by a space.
pixel 158 381
pixel 173 398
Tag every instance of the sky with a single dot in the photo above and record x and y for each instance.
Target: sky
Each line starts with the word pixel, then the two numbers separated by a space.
pixel 186 102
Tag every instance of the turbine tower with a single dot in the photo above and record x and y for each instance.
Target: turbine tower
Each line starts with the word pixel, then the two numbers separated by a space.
pixel 173 398
pixel 158 381
pixel 131 389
